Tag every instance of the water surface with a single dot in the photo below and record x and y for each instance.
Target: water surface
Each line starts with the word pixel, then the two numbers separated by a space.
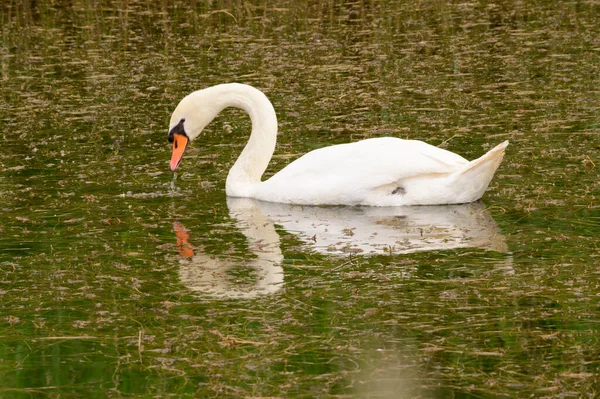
pixel 101 246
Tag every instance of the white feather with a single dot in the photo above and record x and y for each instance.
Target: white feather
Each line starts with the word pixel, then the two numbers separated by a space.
pixel 384 171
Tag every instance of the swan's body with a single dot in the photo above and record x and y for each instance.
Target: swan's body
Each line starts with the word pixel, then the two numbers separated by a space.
pixel 378 172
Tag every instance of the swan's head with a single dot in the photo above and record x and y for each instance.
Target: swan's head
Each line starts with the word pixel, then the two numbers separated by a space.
pixel 190 117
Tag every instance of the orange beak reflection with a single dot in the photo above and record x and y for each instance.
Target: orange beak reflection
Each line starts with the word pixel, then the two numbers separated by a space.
pixel 179 143
pixel 185 248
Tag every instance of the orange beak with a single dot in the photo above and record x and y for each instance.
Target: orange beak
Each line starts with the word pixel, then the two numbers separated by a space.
pixel 179 143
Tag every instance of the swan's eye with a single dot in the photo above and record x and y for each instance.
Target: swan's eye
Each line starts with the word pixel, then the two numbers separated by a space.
pixel 179 129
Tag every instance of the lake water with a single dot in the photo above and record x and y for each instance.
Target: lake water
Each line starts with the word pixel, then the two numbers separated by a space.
pixel 121 279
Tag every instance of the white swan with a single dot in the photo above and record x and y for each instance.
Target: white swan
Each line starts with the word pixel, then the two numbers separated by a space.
pixel 383 171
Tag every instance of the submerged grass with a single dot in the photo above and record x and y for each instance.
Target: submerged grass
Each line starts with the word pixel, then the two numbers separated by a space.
pixel 91 301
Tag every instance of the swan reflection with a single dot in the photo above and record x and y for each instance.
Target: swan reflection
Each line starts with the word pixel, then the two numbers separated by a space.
pixel 208 274
pixel 378 230
pixel 331 230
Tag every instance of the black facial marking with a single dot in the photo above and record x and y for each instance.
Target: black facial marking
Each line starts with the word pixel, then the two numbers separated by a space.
pixel 179 129
pixel 399 190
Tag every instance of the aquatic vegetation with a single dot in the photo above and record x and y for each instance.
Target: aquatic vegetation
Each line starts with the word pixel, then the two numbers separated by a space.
pixel 91 297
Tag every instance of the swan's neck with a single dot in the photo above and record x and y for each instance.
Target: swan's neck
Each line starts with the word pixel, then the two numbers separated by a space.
pixel 247 171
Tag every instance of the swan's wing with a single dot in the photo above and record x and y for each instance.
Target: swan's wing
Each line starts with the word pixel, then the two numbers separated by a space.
pixel 347 170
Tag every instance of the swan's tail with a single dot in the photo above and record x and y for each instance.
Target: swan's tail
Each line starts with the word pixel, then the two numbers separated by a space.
pixel 475 176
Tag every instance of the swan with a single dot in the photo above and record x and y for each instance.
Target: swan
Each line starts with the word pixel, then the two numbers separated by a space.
pixel 385 171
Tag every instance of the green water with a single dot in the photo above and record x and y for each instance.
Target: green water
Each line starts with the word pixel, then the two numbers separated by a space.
pixel 119 279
